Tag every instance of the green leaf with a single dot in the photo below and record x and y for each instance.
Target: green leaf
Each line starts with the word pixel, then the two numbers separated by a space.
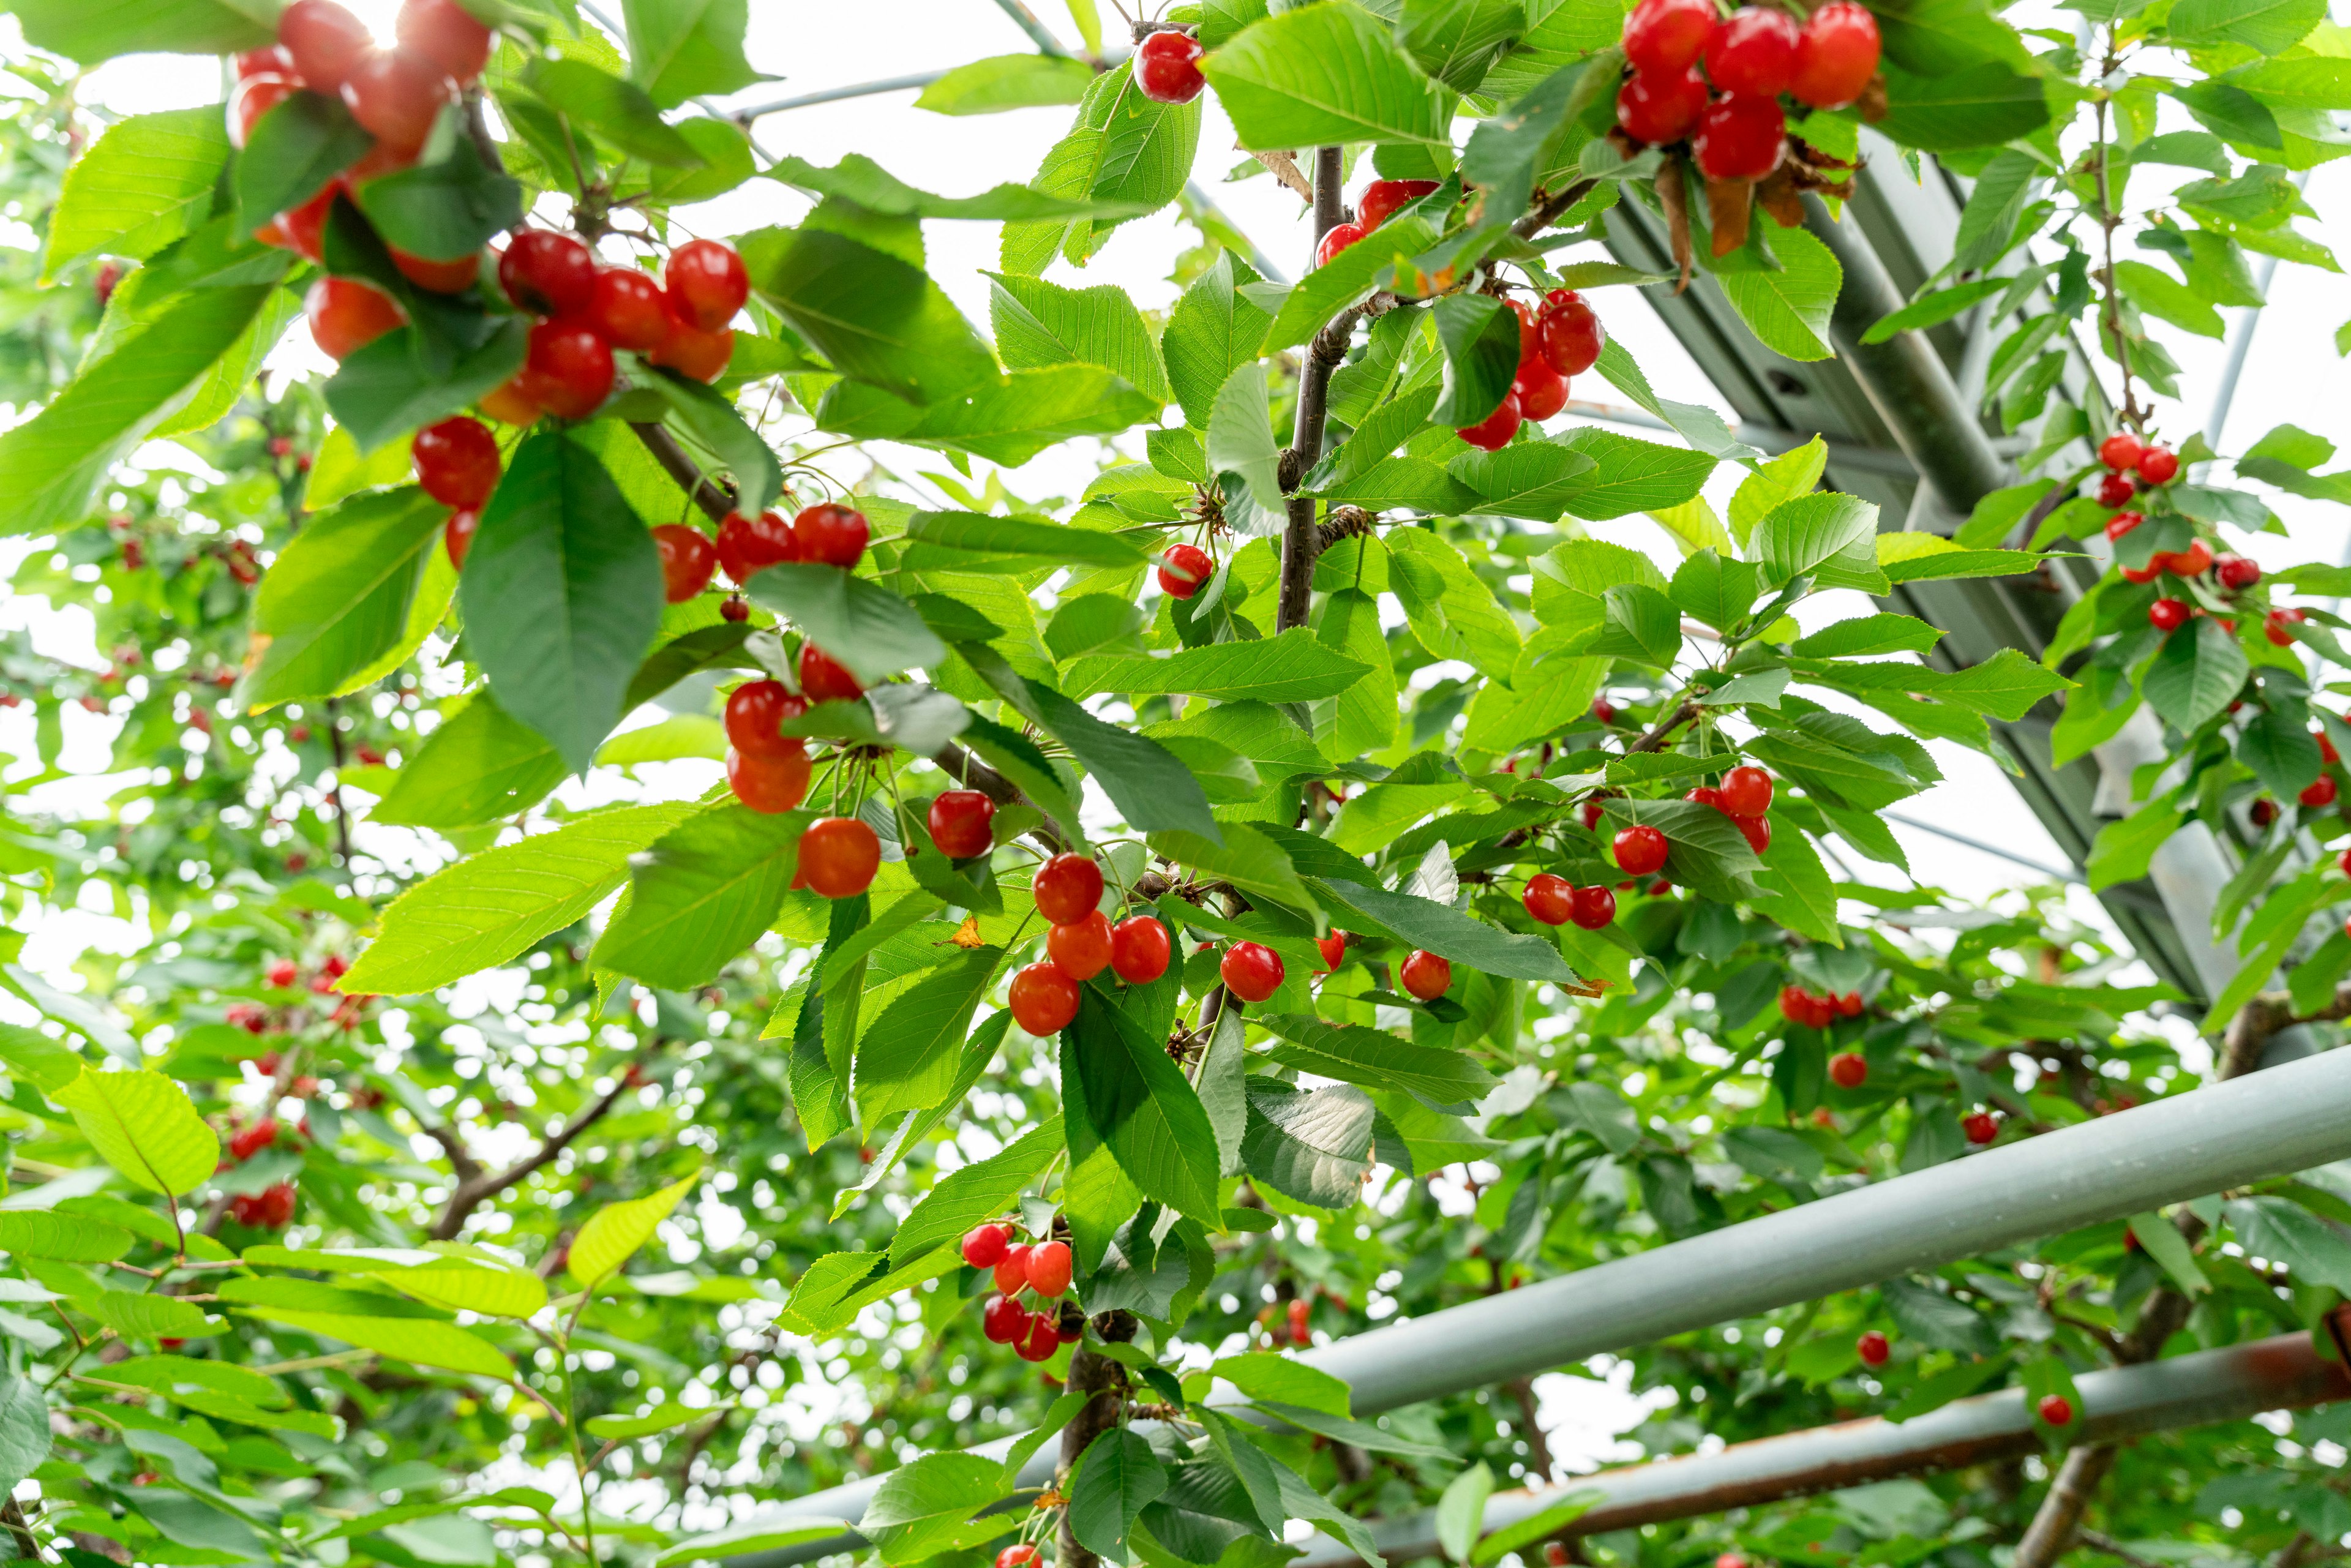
pixel 479 767
pixel 1008 81
pixel 857 179
pixel 617 111
pixel 1705 852
pixel 2280 752
pixel 1537 480
pixel 23 1429
pixel 1479 336
pixel 1525 1533
pixel 1461 1512
pixel 1827 535
pixel 1039 323
pixel 294 150
pixel 2195 675
pixel 149 180
pixel 338 598
pixel 680 49
pixel 751 1536
pixel 1923 557
pixel 1322 74
pixel 1439 927
pixel 924 1508
pixel 133 1316
pixel 1934 310
pixel 2162 1242
pixel 2123 850
pixel 1867 634
pixel 1783 478
pixel 660 1419
pixel 1983 105
pixel 1346 277
pixel 1788 309
pixel 1117 1476
pixel 1241 445
pixel 978 542
pixel 489 907
pixel 702 894
pixel 1317 1146
pixel 2160 295
pixel 970 1193
pixel 2284 1231
pixel 75 1239
pixel 91 31
pixel 2273 26
pixel 909 1059
pixel 1006 421
pixel 469 1284
pixel 1457 41
pixel 562 595
pixel 1153 790
pixel 422 1342
pixel 1445 1081
pixel 1292 667
pixel 1631 475
pixel 1133 1100
pixel 614 1232
pixel 143 1125
pixel 444 210
pixel 871 630
pixel 1247 857
pixel 402 381
pixel 711 420
pixel 873 316
pixel 1212 330
pixel 1268 1378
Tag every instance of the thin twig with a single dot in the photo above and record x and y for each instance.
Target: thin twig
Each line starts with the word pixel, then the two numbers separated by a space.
pixel 474 1190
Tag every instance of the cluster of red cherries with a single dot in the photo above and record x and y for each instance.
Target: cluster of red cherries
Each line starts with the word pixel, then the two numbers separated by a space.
pixel 2124 454
pixel 1818 1009
pixel 1080 943
pixel 1732 115
pixel 1041 1268
pixel 1744 796
pixel 1562 339
pixel 271 1208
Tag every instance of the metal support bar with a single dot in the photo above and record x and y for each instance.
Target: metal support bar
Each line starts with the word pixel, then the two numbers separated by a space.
pixel 2232 1384
pixel 2027 862
pixel 835 94
pixel 2285 1119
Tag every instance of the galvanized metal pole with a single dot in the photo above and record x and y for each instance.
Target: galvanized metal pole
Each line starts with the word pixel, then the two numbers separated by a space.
pixel 2285 1119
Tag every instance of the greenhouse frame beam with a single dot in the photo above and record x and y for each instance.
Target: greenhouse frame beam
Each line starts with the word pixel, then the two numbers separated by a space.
pixel 2285 1119
pixel 2234 1383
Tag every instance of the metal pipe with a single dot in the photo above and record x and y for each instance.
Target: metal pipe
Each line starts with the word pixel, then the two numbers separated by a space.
pixel 2232 1384
pixel 834 95
pixel 2009 855
pixel 2285 1119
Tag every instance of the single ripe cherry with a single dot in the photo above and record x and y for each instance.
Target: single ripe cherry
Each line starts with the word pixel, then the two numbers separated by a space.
pixel 2277 626
pixel 1596 906
pixel 325 41
pixel 1425 975
pixel 1747 791
pixel 1541 391
pixel 825 680
pixel 1754 52
pixel 1012 1273
pixel 747 545
pixel 2122 523
pixel 832 533
pixel 1849 1069
pixel 1980 1128
pixel 707 283
pixel 1139 949
pixel 302 229
pixel 2055 1409
pixel 1569 332
pixel 1493 433
pixel 1044 1337
pixel 1602 712
pixel 1756 831
pixel 1340 237
pixel 687 560
pixel 732 608
pixel 1003 1320
pixel 984 1246
pixel 2167 614
pixel 2318 792
pixel 252 1140
pixel 1705 795
pixel 1668 34
pixel 694 353
pixel 254 97
pixel 1067 888
pixel 755 712
pixel 1658 107
pixel 1640 848
pixel 2239 573
pixel 1083 947
pixel 2264 811
pixel 2116 489
pixel 396 95
pixel 2121 451
pixel 1048 1269
pixel 1250 970
pixel 458 535
pixel 1382 197
pixel 446 34
pixel 1873 1349
pixel 1186 570
pixel 569 369
pixel 347 315
pixel 1550 899
pixel 1835 56
pixel 1334 949
pixel 2158 464
pixel 548 274
pixel 838 857
pixel 1020 1555
pixel 1740 136
pixel 271 60
pixel 962 823
pixel 773 784
pixel 627 309
pixel 439 276
pixel 1044 999
pixel 456 461
pixel 1168 68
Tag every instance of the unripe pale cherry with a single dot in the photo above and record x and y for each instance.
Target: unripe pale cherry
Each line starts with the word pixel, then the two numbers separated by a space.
pixel 1657 107
pixel 325 41
pixel 347 315
pixel 569 369
pixel 1741 137
pixel 707 283
pixel 1666 36
pixel 823 679
pixel 1139 948
pixel 838 857
pixel 773 784
pixel 1082 946
pixel 1425 975
pixel 1835 55
pixel 1168 68
pixel 1044 999
pixel 1752 53
pixel 1250 970
pixel 1640 848
pixel 832 533
pixel 755 711
pixel 1186 572
pixel 1550 899
pixel 1382 197
pixel 1339 238
pixel 687 560
pixel 1493 433
pixel 1067 887
pixel 962 824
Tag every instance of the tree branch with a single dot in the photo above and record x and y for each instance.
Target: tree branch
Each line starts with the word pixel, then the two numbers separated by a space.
pixel 715 501
pixel 1300 543
pixel 478 1188
pixel 1094 1374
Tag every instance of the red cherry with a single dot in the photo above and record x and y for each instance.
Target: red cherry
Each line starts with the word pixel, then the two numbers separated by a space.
pixel 302 229
pixel 1541 391
pixel 1049 1268
pixel 2122 523
pixel 1753 52
pixel 283 974
pixel 254 97
pixel 831 534
pixel 1382 197
pixel 1139 949
pixel 446 34
pixel 1848 1003
pixel 456 461
pixel 1016 1556
pixel 839 855
pixel 627 309
pixel 707 283
pixel 278 1205
pixel 1594 907
pixel 1756 831
pixel 396 95
pixel 1658 107
pixel 1044 1337
pixel 1604 711
pixel 2276 624
pixel 1067 888
pixel 1188 567
pixel 2120 451
pixel 1666 36
pixel 1849 1069
pixel 2116 489
pixel 1012 1273
pixel 508 404
pixel 2158 464
pixel 1550 899
pixel 1741 137
pixel 687 560
pixel 2055 1409
pixel 2239 573
pixel 747 545
pixel 1168 68
pixel 1340 237
pixel 2319 792
pixel 1493 433
pixel 1640 848
pixel 253 1140
pixel 755 711
pixel 1425 975
pixel 694 353
pixel 1044 999
pixel 1569 332
pixel 2193 561
pixel 1003 1320
pixel 272 60
pixel 824 680
pixel 1705 796
pixel 1250 970
pixel 548 274
pixel 962 823
pixel 439 276
pixel 2167 614
pixel 1334 949
pixel 1747 791
pixel 1873 1348
pixel 1835 56
pixel 984 1246
pixel 1082 948
pixel 325 41
pixel 774 783
pixel 2264 811
pixel 1980 1128
pixel 347 315
pixel 734 608
pixel 457 534
pixel 568 369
